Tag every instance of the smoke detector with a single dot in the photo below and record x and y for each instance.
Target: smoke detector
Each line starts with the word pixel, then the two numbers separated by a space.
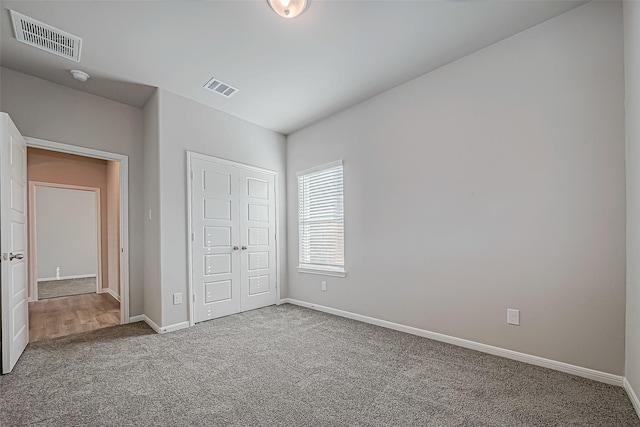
pixel 80 75
pixel 46 37
pixel 216 86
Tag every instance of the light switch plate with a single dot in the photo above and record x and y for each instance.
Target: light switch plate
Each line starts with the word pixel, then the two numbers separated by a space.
pixel 177 298
pixel 513 316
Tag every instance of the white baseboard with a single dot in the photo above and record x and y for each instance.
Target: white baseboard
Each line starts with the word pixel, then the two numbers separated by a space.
pixel 138 318
pixel 175 327
pixel 155 327
pixel 79 276
pixel 152 324
pixel 110 292
pixel 485 348
pixel 633 396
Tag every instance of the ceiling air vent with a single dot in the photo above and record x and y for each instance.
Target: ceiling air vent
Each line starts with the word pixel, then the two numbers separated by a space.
pixel 46 37
pixel 215 85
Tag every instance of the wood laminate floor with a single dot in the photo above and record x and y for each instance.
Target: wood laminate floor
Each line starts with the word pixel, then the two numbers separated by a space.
pixel 57 317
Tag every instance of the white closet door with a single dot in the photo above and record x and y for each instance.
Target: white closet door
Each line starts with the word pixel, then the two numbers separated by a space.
pixel 216 272
pixel 257 234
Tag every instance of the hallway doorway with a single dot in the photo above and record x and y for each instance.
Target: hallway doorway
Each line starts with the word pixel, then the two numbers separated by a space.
pixel 75 241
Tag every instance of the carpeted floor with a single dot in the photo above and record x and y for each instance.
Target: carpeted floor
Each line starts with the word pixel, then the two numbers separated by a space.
pixel 290 366
pixel 67 287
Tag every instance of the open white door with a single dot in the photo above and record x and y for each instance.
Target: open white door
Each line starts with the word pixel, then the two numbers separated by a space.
pixel 13 238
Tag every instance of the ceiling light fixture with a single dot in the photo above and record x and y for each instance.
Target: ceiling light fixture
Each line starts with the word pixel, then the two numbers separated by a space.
pixel 80 75
pixel 288 8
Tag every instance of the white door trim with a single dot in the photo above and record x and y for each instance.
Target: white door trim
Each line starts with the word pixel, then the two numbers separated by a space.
pixel 31 219
pixel 124 206
pixel 191 155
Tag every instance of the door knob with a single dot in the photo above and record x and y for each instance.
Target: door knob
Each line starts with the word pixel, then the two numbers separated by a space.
pixel 244 248
pixel 235 248
pixel 16 256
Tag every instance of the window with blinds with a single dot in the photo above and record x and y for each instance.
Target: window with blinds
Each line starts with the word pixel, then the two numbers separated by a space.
pixel 321 220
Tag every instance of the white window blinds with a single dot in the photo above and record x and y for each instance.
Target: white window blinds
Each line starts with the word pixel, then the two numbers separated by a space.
pixel 321 219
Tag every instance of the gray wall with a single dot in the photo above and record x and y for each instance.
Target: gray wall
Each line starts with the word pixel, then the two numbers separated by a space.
pixel 152 285
pixel 196 127
pixel 632 74
pixel 45 110
pixel 494 182
pixel 66 232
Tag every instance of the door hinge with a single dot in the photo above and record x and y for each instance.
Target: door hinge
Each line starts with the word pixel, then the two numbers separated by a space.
pixel 194 297
pixel 193 237
pixel 192 175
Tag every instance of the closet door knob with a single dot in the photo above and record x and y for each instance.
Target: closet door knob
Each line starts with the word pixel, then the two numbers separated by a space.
pixel 244 248
pixel 235 248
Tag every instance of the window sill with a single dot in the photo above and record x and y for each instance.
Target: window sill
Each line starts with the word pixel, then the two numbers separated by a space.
pixel 322 272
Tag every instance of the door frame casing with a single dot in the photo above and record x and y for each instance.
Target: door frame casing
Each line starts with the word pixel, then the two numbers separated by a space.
pixel 32 220
pixel 124 206
pixel 191 155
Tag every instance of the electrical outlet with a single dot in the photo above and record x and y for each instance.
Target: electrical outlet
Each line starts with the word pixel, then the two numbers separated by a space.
pixel 177 298
pixel 513 316
pixel 324 286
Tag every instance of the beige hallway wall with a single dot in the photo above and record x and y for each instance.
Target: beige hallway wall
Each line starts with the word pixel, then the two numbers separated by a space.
pixel 60 168
pixel 113 226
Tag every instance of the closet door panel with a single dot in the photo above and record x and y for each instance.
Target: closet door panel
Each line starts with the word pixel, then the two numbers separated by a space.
pixel 257 234
pixel 216 264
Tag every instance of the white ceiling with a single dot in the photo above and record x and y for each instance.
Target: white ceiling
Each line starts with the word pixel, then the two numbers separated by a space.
pixel 290 72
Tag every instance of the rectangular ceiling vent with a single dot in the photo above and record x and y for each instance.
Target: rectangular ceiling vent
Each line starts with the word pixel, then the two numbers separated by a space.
pixel 215 85
pixel 46 37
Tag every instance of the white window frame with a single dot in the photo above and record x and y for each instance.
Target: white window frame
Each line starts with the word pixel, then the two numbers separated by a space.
pixel 326 270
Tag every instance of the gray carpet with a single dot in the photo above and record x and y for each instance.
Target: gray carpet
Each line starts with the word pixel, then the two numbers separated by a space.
pixel 289 366
pixel 67 287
